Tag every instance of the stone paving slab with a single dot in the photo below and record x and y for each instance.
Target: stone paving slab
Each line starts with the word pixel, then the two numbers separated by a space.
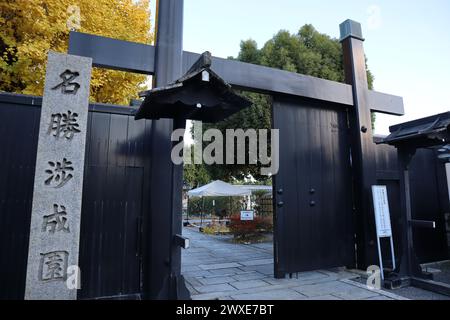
pixel 215 280
pixel 389 295
pixel 191 289
pixel 223 287
pixel 300 282
pixel 219 266
pixel 340 289
pixel 190 268
pixel 264 269
pixel 216 268
pixel 284 294
pixel 249 284
pixel 193 281
pixel 312 275
pixel 326 297
pixel 320 289
pixel 212 296
pixel 355 293
pixel 226 272
pixel 378 298
pixel 201 273
pixel 258 262
pixel 249 276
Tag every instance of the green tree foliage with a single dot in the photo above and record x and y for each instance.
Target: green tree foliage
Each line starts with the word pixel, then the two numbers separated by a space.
pixel 306 52
pixel 196 175
pixel 256 117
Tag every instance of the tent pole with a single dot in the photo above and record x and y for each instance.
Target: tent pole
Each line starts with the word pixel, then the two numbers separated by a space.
pixel 201 213
pixel 187 211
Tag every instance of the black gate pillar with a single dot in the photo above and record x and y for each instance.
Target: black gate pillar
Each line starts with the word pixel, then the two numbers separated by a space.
pixel 408 263
pixel 408 270
pixel 362 145
pixel 163 278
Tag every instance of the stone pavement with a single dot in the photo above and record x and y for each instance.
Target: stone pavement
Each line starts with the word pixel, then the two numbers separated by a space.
pixel 215 268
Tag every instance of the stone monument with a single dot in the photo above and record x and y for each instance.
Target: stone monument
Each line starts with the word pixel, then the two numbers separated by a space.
pixel 52 270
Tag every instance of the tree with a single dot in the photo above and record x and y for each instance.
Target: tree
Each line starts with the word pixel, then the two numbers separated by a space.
pixel 195 175
pixel 307 52
pixel 30 28
pixel 257 116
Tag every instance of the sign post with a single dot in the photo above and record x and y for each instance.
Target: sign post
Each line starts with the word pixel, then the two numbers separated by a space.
pixel 383 221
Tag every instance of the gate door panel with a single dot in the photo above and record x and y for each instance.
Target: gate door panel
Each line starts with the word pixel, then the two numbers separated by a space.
pixel 109 252
pixel 312 190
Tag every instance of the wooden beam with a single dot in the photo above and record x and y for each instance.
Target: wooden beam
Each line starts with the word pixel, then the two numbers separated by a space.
pixel 139 58
pixel 385 103
pixel 267 80
pixel 113 54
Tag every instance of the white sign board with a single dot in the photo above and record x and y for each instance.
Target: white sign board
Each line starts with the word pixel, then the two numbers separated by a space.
pixel 247 215
pixel 381 208
pixel 383 222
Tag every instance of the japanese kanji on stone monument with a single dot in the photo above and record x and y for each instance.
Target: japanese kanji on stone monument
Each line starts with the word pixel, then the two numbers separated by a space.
pixel 52 271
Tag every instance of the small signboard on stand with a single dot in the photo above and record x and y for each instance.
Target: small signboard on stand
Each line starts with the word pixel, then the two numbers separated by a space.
pixel 247 215
pixel 383 221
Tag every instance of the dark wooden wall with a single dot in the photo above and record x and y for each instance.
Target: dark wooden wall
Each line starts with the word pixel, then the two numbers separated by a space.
pixel 19 127
pixel 429 201
pixel 115 210
pixel 116 179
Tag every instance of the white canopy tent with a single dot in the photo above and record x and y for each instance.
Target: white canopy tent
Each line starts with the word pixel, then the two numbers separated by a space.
pixel 219 189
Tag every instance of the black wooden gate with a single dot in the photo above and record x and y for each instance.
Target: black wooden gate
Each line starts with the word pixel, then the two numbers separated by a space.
pixel 110 252
pixel 115 259
pixel 312 190
pixel 117 160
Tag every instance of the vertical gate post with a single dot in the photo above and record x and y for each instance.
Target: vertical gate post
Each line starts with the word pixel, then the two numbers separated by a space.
pixel 362 145
pixel 407 255
pixel 409 265
pixel 162 274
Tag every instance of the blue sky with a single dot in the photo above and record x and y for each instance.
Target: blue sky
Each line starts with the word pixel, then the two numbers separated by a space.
pixel 407 42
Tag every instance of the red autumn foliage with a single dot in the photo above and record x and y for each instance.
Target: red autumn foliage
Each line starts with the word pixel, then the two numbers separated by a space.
pixel 248 229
